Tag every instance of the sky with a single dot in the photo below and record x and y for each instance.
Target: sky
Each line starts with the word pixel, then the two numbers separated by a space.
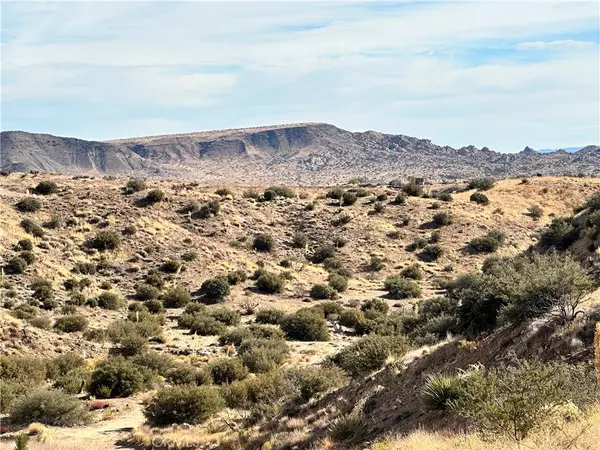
pixel 501 74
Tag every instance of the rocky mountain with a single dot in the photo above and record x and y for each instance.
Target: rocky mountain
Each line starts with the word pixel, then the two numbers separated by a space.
pixel 303 154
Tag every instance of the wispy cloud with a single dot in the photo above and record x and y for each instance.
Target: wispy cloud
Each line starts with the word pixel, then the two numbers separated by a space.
pixel 502 74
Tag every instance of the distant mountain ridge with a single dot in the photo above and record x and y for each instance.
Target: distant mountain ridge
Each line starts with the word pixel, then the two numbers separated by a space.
pixel 303 154
pixel 566 149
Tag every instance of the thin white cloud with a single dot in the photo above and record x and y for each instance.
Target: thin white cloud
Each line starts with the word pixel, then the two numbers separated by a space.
pixel 566 45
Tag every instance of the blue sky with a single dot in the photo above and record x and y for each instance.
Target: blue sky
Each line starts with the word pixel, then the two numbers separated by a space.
pixel 499 74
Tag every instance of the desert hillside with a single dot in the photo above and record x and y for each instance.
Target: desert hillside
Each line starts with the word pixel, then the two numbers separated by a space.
pixel 308 154
pixel 231 286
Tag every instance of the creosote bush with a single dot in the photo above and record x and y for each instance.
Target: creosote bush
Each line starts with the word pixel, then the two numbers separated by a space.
pixel 31 227
pixel 269 316
pixel 104 240
pixel 483 184
pixel 227 370
pixel 215 290
pixel 479 198
pixel 117 377
pixel 399 287
pixel 111 300
pixel 155 196
pixel 46 188
pixel 270 283
pixel 183 404
pixel 263 242
pixel 136 185
pixel 50 407
pixel 71 323
pixel 305 325
pixel 176 297
pixel 322 292
pixel 29 204
pixel 369 353
pixel 432 252
pixel 442 219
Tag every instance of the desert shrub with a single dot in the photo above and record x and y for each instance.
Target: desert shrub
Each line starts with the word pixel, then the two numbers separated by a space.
pixel 29 204
pixel 270 283
pixel 25 244
pixel 593 202
pixel 378 207
pixel 376 263
pixel 369 353
pixel 348 199
pixel 281 191
pixel 413 271
pixel 133 344
pixel 136 185
pixel 159 363
pixel 146 291
pixel 206 326
pixel 445 197
pixel 41 322
pixel 154 306
pixel 251 193
pixel 535 212
pixel 561 234
pixel 16 265
pixel 73 382
pixel 63 364
pixel 263 242
pixel 479 198
pixel 50 407
pixel 85 268
pixel 215 290
pixel 382 197
pixel 170 266
pixel 117 377
pixel 111 300
pixel 183 404
pixel 322 252
pixel 227 370
pixel 53 223
pixel 441 391
pixel 223 192
pixel 10 391
pixel 236 276
pixel 351 318
pixel 71 323
pixel 24 312
pixel 322 292
pixel 432 252
pixel 237 335
pixel 299 240
pixel 483 244
pixel 305 325
pixel 375 306
pixel 412 189
pixel 349 428
pixel 269 316
pixel 313 381
pixel 155 196
pixel 483 184
pixel 26 369
pixel 263 355
pixel 189 256
pixel 337 282
pixel 335 193
pixel 46 188
pixel 400 199
pixel 155 278
pixel 120 329
pixel 400 288
pixel 442 218
pixel 511 402
pixel 187 374
pixel 176 297
pixel 31 227
pixel 226 316
pixel 104 240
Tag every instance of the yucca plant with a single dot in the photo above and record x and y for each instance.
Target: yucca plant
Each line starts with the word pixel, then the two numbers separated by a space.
pixel 440 390
pixel 350 427
pixel 21 441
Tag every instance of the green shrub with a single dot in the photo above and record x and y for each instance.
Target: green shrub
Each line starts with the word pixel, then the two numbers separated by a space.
pixel 479 198
pixel 227 370
pixel 561 234
pixel 401 288
pixel 348 199
pixel 24 312
pixel 46 188
pixel 400 199
pixel 305 325
pixel 29 204
pixel 41 322
pixel 73 381
pixel 155 196
pixel 215 290
pixel 262 355
pixel 338 282
pixel 223 192
pixel 376 263
pixel 50 407
pixel 27 369
pixel 31 227
pixel 535 212
pixel 299 240
pixel 322 252
pixel 131 345
pixel 270 283
pixel 111 300
pixel 445 197
pixel 158 363
pixel 63 364
pixel 170 266
pixel 146 291
pixel 369 353
pixel 280 191
pixel 483 244
pixel 117 377
pixel 375 305
pixel 104 240
pixel 269 316
pixel 593 202
pixel 185 404
pixel 226 316
pixel 251 193
pixel 263 242
pixel 442 218
pixel 483 184
pixel 176 297
pixel 189 256
pixel 335 193
pixel 16 265
pixel 236 277
pixel 441 391
pixel 85 268
pixel 413 271
pixel 310 382
pixel 154 306
pixel 206 326
pixel 25 244
pixel 136 185
pixel 187 374
pixel 351 318
pixel 432 252
pixel 71 324
pixel 322 292
pixel 413 189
